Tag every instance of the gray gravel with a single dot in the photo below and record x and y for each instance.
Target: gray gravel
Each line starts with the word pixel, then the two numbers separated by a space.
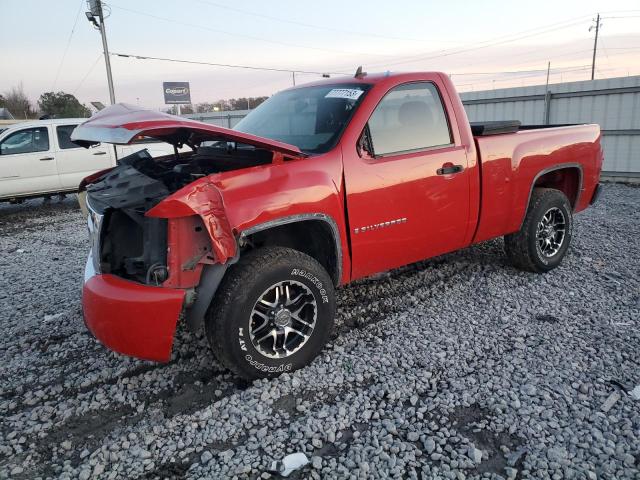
pixel 458 367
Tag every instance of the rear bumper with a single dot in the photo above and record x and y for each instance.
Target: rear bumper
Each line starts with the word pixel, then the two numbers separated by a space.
pixel 131 318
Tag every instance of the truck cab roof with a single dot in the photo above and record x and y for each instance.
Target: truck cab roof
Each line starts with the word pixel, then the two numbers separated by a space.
pixel 41 123
pixel 371 78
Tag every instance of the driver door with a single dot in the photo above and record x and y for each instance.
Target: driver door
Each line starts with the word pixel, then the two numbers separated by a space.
pixel 408 187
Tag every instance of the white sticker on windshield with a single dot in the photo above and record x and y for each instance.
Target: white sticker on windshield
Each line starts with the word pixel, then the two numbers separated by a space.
pixel 348 93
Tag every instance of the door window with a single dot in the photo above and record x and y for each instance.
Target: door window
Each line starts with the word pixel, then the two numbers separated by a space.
pixel 26 141
pixel 410 117
pixel 64 136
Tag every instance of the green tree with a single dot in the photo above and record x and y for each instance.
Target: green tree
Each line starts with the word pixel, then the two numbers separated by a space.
pixel 62 105
pixel 17 102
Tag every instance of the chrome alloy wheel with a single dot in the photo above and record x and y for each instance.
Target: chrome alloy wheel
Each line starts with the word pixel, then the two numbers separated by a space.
pixel 283 319
pixel 550 233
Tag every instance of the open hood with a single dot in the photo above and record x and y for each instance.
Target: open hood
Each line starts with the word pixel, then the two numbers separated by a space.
pixel 122 123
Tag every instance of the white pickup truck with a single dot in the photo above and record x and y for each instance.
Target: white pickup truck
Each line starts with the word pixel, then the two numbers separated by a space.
pixel 37 158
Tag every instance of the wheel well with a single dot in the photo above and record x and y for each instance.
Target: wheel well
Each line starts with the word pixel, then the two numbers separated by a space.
pixel 567 180
pixel 313 237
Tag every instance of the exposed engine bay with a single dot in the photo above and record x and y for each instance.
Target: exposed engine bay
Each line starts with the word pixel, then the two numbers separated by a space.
pixel 132 245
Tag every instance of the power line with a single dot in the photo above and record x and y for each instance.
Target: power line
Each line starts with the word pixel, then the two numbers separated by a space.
pixel 535 72
pixel 227 65
pixel 66 48
pixel 492 81
pixel 556 70
pixel 309 25
pixel 489 43
pixel 311 72
pixel 494 73
pixel 604 49
pixel 575 21
pixel 621 11
pixel 239 34
pixel 540 70
pixel 541 55
pixel 87 74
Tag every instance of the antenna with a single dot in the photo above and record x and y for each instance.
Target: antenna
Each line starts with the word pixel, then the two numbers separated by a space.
pixel 360 73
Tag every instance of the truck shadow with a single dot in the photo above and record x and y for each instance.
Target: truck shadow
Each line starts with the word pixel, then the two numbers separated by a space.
pixel 33 213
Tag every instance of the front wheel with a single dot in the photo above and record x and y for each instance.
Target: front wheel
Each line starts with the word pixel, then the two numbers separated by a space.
pixel 272 313
pixel 545 235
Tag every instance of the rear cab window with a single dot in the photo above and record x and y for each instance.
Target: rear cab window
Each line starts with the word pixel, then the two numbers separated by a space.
pixel 28 140
pixel 410 117
pixel 63 133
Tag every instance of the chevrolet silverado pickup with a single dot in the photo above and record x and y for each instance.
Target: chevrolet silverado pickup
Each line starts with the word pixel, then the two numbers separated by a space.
pixel 248 233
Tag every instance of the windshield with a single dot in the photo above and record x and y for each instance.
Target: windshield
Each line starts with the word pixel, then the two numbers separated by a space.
pixel 311 118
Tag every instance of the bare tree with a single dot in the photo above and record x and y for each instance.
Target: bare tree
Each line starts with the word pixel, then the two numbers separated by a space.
pixel 244 103
pixel 204 107
pixel 186 109
pixel 17 102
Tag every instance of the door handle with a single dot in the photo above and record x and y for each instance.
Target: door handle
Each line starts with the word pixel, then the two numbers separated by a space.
pixel 448 169
pixel 46 159
pixel 100 153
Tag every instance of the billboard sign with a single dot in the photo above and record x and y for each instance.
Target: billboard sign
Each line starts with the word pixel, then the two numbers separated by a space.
pixel 176 93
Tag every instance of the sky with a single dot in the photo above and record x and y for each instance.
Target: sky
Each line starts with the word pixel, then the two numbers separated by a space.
pixel 489 44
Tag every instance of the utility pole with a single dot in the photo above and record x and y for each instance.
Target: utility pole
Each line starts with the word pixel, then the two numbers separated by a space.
pixel 547 97
pixel 293 76
pixel 548 70
pixel 95 10
pixel 595 45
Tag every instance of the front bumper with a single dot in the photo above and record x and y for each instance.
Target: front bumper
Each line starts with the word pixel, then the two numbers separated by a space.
pixel 131 318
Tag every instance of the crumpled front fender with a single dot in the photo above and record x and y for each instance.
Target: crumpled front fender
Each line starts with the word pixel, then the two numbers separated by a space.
pixel 202 198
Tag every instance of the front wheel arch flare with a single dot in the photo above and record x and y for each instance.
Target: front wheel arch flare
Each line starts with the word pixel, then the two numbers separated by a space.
pixel 316 235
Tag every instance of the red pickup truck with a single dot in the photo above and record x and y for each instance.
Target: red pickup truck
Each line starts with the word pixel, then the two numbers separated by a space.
pixel 250 231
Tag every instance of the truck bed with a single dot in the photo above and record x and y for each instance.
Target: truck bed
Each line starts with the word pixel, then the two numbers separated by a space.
pixel 511 163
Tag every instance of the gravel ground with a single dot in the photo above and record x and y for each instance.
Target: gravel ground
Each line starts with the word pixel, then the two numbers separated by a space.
pixel 458 367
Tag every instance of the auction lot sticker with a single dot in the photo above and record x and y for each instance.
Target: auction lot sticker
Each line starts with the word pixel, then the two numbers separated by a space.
pixel 347 93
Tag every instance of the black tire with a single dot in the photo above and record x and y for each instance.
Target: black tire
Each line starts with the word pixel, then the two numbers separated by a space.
pixel 230 316
pixel 523 248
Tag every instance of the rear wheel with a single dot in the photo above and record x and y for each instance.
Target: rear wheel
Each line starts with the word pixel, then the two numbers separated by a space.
pixel 545 235
pixel 272 313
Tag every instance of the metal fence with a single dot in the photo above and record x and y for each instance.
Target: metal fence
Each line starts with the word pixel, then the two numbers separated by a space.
pixel 222 119
pixel 613 103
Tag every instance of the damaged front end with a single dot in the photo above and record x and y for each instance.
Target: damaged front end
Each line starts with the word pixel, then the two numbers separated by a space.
pixel 160 237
